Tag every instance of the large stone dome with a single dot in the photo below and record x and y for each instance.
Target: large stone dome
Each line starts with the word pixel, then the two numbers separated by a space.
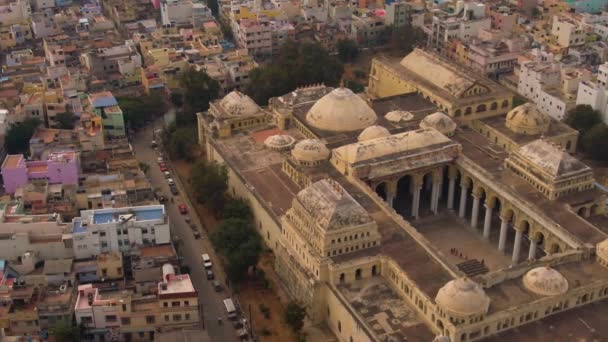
pixel 462 298
pixel 398 116
pixel 236 103
pixel 527 119
pixel 310 151
pixel 440 122
pixel 545 281
pixel 279 142
pixel 373 132
pixel 339 111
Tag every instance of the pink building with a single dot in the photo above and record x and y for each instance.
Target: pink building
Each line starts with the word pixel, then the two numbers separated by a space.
pixel 59 167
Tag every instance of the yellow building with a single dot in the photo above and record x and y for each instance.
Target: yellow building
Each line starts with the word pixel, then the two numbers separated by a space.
pixel 462 95
pixel 109 266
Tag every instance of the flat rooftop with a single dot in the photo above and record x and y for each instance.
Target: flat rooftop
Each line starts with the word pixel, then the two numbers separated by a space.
pixel 384 312
pixel 12 161
pixel 177 284
pixel 147 213
pixel 555 129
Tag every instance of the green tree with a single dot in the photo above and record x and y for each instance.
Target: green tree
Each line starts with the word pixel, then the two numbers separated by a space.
pixel 210 181
pixel 296 64
pixel 137 110
pixel 348 50
pixel 237 208
pixel 240 244
pixel 582 118
pixel 144 167
pixel 405 38
pixel 177 99
pixel 199 90
pixel 18 135
pixel 181 141
pixel 294 316
pixel 356 87
pixel 65 332
pixel 595 142
pixel 214 7
pixel 65 120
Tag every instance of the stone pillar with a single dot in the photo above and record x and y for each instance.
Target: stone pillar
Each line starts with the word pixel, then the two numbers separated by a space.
pixel 390 198
pixel 416 201
pixel 451 189
pixel 532 250
pixel 435 196
pixel 516 245
pixel 504 224
pixel 487 221
pixel 475 213
pixel 463 200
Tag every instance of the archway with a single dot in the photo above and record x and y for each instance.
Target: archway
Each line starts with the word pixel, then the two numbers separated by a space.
pixel 358 274
pixel 374 271
pixel 342 278
pixel 507 218
pixel 468 111
pixel 583 212
pixel 540 245
pixel 481 108
pixel 494 106
pixel 505 103
pixel 381 190
pixel 426 193
pixel 554 248
pixel 524 247
pixel 403 199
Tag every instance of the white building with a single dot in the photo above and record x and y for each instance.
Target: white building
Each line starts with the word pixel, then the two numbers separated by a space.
pixel 465 25
pixel 567 31
pixel 595 93
pixel 184 12
pixel 550 86
pixel 119 229
pixel 597 23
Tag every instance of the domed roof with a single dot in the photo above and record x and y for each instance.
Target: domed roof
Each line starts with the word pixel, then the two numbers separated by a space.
pixel 527 119
pixel 440 122
pixel 310 150
pixel 399 116
pixel 602 249
pixel 463 297
pixel 545 281
pixel 236 103
pixel 279 141
pixel 373 132
pixel 339 111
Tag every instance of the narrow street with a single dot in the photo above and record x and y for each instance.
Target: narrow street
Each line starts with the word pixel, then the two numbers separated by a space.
pixel 189 248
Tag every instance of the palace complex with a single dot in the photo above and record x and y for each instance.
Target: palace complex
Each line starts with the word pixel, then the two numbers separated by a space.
pixel 426 208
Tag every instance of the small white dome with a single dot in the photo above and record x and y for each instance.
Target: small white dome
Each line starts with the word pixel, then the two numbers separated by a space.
pixel 279 141
pixel 399 116
pixel 462 298
pixel 527 119
pixel 545 281
pixel 373 132
pixel 602 249
pixel 236 103
pixel 310 150
pixel 341 111
pixel 440 122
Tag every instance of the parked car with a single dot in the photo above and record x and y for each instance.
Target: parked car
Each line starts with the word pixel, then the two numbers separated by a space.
pixel 153 143
pixel 182 209
pixel 210 275
pixel 197 235
pixel 217 286
pixel 163 167
pixel 173 189
pixel 167 174
pixel 170 181
pixel 160 160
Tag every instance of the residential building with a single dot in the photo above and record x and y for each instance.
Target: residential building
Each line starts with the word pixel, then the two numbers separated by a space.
pixel 367 29
pixel 119 229
pixel 104 105
pixel 255 35
pixel 58 167
pixel 110 266
pixel 595 93
pixel 114 190
pixel 230 70
pixel 134 317
pixel 147 263
pixel 567 32
pixel 597 23
pixel 123 60
pixel 503 18
pixel 15 12
pixel 400 13
pixel 465 24
pixel 184 13
pixel 491 58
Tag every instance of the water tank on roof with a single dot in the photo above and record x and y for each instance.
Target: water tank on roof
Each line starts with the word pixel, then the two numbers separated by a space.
pixel 168 270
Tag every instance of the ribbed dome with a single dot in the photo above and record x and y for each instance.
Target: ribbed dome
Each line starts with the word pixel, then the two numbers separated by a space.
pixel 399 116
pixel 602 249
pixel 373 132
pixel 339 111
pixel 527 119
pixel 310 150
pixel 236 103
pixel 545 281
pixel 462 298
pixel 440 122
pixel 279 141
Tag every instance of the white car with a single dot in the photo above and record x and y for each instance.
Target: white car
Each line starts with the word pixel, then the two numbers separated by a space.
pixel 170 181
pixel 167 174
pixel 159 160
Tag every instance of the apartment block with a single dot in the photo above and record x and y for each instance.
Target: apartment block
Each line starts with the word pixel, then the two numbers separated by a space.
pixel 59 167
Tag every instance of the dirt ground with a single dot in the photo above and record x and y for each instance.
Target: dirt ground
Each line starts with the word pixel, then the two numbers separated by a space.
pixel 251 292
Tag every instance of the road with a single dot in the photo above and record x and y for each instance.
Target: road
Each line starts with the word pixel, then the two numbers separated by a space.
pixel 189 248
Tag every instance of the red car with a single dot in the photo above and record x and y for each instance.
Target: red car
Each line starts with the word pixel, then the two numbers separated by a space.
pixel 163 167
pixel 183 209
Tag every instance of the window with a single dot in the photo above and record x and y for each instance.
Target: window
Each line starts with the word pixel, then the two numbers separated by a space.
pixel 186 303
pixel 174 303
pixel 104 244
pixel 124 307
pixel 144 231
pixel 187 316
pixel 102 233
pixel 111 318
pixel 165 304
pixel 125 320
pixel 177 317
pixel 166 318
pixel 150 319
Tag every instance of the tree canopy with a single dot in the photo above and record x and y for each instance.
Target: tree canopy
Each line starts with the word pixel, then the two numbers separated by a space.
pixel 595 142
pixel 237 208
pixel 404 39
pixel 295 65
pixel 294 316
pixel 65 332
pixel 137 110
pixel 180 141
pixel 348 50
pixel 240 244
pixel 199 89
pixel 65 120
pixel 209 181
pixel 18 135
pixel 582 118
pixel 214 7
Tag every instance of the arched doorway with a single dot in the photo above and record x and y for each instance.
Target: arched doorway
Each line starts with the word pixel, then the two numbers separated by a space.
pixel 403 199
pixel 374 271
pixel 358 274
pixel 381 190
pixel 583 212
pixel 426 194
